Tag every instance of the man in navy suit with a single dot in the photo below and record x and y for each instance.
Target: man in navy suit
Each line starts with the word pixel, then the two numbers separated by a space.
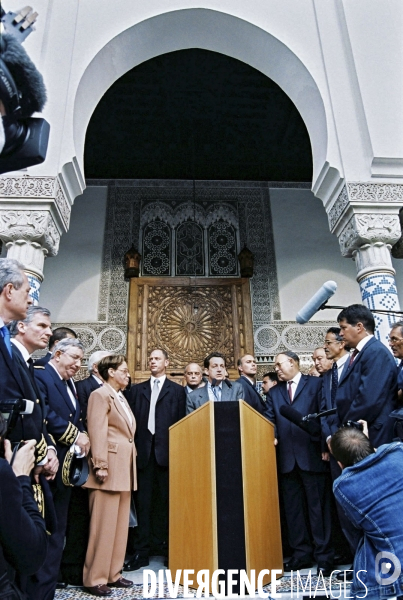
pixel 28 335
pixel 66 427
pixel 157 404
pixel 336 350
pixel 14 302
pixel 304 476
pixel 396 345
pixel 247 369
pixel 368 388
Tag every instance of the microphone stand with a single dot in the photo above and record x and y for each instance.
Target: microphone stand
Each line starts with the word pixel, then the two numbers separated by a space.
pixel 374 310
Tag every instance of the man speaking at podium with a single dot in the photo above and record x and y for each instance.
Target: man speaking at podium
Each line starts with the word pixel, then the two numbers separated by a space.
pixel 218 389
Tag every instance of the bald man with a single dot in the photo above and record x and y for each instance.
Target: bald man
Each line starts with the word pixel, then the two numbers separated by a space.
pixel 193 377
pixel 247 369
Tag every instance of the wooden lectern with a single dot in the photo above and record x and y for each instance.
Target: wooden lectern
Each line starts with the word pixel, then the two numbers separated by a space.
pixel 223 507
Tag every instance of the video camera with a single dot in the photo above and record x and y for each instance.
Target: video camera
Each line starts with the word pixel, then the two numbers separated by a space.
pixel 12 409
pixel 23 138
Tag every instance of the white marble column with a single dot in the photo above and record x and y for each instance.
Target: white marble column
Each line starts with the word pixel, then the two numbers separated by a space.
pixel 34 211
pixel 365 217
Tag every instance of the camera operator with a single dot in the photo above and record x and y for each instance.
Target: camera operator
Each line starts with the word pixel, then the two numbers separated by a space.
pixel 370 491
pixel 23 537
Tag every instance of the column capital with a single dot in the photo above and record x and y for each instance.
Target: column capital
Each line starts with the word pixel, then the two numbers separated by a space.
pixel 30 226
pixel 365 213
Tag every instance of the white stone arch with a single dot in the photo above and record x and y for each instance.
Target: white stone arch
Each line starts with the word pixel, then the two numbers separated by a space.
pixel 218 32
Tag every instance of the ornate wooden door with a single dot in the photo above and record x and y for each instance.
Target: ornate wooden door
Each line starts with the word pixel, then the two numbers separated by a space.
pixel 188 319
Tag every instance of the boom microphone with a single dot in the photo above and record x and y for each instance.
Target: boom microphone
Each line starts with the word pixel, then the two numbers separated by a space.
pixel 313 305
pixel 311 427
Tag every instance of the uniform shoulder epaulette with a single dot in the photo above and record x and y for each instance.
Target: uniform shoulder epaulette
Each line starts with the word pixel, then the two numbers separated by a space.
pixel 38 367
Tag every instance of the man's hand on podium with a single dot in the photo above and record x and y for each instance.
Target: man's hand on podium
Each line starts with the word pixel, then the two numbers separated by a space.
pixel 275 441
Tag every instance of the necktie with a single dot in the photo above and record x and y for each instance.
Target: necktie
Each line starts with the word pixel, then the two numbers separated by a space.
pixel 154 397
pixel 335 383
pixel 216 392
pixel 6 336
pixel 290 390
pixel 352 357
pixel 30 363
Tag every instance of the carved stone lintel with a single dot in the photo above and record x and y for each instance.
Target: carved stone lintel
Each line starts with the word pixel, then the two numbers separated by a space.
pixel 28 226
pixel 368 228
pixel 36 191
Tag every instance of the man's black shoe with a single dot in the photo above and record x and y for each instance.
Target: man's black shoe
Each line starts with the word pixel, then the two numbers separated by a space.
pixel 347 575
pixel 136 562
pixel 295 564
pixel 342 559
pixel 325 569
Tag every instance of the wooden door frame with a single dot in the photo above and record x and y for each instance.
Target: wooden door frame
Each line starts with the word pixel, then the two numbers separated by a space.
pixel 137 317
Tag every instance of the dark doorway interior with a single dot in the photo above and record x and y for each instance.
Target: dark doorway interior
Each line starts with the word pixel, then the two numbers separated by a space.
pixel 197 114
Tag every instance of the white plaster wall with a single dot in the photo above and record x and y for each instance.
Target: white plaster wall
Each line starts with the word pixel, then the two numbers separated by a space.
pixel 71 286
pixel 307 254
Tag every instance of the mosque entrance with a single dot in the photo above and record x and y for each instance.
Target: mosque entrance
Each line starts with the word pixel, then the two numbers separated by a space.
pixel 188 317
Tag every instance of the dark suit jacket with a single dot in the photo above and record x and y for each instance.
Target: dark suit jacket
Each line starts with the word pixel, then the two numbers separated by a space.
pixel 200 396
pixel 10 384
pixel 84 389
pixel 64 421
pixel 295 446
pixel 329 424
pixel 43 361
pixel 170 408
pixel 367 390
pixel 31 426
pixel 23 537
pixel 251 395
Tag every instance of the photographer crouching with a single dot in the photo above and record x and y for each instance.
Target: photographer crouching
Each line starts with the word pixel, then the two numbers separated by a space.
pixel 23 537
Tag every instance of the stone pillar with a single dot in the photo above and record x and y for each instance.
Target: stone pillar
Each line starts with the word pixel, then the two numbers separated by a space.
pixel 365 217
pixel 34 211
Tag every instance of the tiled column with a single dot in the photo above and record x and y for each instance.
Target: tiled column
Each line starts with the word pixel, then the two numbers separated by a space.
pixel 34 211
pixel 365 217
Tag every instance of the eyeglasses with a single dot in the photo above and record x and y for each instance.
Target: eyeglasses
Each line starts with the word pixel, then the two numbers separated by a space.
pixel 124 371
pixel 394 340
pixel 328 342
pixel 77 359
pixel 278 365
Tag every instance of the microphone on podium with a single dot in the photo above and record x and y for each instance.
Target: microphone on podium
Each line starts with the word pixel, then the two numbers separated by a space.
pixel 316 302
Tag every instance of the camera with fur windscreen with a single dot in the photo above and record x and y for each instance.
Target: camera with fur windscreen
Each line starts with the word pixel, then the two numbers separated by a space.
pixel 23 138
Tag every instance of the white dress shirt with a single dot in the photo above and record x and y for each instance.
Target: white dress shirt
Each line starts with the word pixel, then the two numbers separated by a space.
pixel 294 383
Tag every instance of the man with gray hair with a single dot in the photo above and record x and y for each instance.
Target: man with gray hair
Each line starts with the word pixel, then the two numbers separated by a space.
pixel 396 345
pixel 85 387
pixel 14 302
pixel 29 335
pixel 65 425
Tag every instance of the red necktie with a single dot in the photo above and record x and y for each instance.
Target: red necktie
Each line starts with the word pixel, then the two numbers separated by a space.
pixel 352 357
pixel 290 390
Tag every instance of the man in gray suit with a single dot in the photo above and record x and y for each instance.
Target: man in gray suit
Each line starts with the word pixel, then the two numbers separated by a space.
pixel 218 389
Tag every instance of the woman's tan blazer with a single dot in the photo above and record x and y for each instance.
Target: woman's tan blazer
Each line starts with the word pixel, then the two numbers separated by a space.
pixel 112 442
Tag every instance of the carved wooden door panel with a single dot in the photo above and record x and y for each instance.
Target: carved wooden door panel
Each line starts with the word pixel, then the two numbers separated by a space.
pixel 188 320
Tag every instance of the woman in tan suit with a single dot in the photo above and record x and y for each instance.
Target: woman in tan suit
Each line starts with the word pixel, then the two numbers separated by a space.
pixel 112 478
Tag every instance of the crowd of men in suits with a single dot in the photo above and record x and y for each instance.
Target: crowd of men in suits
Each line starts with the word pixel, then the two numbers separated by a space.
pixel 358 377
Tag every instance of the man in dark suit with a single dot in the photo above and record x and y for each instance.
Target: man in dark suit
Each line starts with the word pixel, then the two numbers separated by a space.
pixel 85 387
pixel 59 334
pixel 269 380
pixel 157 404
pixel 336 351
pixel 14 303
pixel 66 427
pixel 29 335
pixel 367 389
pixel 304 476
pixel 247 369
pixel 218 388
pixel 396 345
